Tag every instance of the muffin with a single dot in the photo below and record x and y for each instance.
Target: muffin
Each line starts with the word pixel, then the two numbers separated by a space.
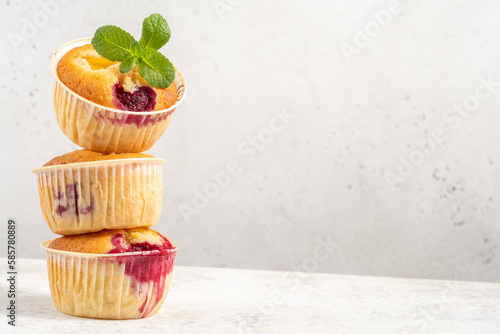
pixel 84 191
pixel 111 274
pixel 106 111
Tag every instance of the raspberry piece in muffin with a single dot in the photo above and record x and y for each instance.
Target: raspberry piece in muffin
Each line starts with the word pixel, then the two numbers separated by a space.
pixel 143 98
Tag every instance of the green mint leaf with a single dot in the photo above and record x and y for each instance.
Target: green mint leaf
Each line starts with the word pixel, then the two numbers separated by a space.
pixel 128 64
pixel 155 32
pixel 157 70
pixel 136 48
pixel 112 43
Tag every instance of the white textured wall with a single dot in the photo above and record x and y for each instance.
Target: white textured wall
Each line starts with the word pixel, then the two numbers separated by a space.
pixel 323 174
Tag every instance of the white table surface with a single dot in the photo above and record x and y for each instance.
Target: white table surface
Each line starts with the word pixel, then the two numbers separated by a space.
pixel 213 300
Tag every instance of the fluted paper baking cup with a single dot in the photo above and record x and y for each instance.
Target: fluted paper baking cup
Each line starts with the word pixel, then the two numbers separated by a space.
pixel 109 286
pixel 91 196
pixel 108 130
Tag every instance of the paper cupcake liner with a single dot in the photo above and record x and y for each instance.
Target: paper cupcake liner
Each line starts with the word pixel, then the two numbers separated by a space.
pixel 109 286
pixel 108 130
pixel 92 196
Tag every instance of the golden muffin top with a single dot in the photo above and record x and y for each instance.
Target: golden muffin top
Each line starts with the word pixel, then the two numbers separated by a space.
pixel 113 241
pixel 87 155
pixel 99 80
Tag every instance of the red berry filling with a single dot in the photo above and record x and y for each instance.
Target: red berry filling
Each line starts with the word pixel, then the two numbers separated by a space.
pixel 120 245
pixel 153 267
pixel 143 99
pixel 67 201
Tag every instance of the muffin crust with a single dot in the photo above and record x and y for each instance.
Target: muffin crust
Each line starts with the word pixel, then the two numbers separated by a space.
pixel 113 241
pixel 95 78
pixel 87 155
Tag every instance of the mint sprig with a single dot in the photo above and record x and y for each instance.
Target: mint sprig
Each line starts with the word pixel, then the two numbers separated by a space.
pixel 116 44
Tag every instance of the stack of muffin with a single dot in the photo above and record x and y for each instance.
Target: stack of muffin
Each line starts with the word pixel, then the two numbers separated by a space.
pixel 103 199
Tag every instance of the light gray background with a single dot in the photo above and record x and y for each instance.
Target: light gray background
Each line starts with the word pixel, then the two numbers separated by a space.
pixel 324 175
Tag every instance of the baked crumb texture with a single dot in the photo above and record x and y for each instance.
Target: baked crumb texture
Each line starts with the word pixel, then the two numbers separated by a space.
pixel 113 241
pixel 96 79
